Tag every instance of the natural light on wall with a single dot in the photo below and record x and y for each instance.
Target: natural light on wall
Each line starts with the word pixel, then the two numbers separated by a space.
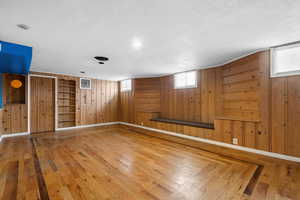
pixel 185 80
pixel 126 85
pixel 286 61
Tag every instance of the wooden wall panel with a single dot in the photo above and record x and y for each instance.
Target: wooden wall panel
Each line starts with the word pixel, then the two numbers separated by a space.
pixel 193 104
pixel 100 104
pixel 240 99
pixel 279 115
pixel 1 122
pixel 14 112
pixel 127 108
pixel 293 115
pixel 241 82
pixel 12 95
pixel 147 94
pixel 14 118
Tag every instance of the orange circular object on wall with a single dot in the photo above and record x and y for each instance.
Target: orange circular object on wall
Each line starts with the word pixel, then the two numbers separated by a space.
pixel 16 84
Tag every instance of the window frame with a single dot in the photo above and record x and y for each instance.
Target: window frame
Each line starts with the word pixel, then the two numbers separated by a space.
pixel 186 86
pixel 86 88
pixel 273 72
pixel 126 89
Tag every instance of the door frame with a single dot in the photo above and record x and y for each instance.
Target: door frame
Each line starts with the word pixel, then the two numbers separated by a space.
pixel 29 100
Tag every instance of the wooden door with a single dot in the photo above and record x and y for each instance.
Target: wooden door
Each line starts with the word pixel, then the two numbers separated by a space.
pixel 42 105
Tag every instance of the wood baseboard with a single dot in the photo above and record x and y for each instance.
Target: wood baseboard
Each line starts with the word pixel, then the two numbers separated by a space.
pixel 257 156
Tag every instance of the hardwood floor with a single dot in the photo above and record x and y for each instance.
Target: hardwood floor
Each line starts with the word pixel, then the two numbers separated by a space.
pixel 113 163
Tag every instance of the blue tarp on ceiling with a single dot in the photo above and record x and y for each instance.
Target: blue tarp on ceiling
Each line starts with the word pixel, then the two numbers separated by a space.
pixel 1 85
pixel 15 58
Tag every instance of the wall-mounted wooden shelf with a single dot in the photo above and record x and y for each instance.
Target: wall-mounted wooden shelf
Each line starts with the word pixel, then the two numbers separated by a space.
pixel 66 103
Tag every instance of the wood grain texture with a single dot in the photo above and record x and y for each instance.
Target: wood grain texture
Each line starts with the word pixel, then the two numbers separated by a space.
pixel 1 121
pixel 14 95
pixel 230 96
pixel 82 164
pixel 147 94
pixel 293 115
pixel 100 104
pixel 241 100
pixel 42 104
pixel 66 100
pixel 127 108
pixel 14 118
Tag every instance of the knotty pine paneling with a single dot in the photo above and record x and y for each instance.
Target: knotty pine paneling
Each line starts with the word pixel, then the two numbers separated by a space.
pixel 239 98
pixel 42 104
pixel 279 108
pixel 14 118
pixel 192 104
pixel 1 120
pixel 240 86
pixel 285 116
pixel 293 116
pixel 14 112
pixel 97 105
pixel 127 108
pixel 147 94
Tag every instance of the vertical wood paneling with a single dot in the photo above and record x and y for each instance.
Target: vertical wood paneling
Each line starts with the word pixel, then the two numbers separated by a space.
pixel 279 118
pixel 293 123
pixel 42 104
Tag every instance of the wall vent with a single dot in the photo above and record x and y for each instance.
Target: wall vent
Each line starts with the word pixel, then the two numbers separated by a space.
pixel 85 83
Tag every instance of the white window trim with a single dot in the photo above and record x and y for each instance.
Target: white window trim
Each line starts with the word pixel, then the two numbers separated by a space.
pixel 88 87
pixel 281 74
pixel 126 89
pixel 189 86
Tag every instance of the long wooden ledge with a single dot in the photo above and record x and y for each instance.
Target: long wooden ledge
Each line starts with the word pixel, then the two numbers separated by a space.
pixel 186 123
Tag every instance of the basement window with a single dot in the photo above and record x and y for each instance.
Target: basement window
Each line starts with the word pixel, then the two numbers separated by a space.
pixel 126 85
pixel 185 80
pixel 285 60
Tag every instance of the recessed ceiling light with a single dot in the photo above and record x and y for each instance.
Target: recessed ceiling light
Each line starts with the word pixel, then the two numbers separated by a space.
pixel 136 43
pixel 83 72
pixel 101 63
pixel 101 58
pixel 23 26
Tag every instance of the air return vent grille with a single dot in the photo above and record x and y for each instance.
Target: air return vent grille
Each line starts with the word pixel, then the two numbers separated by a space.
pixel 85 83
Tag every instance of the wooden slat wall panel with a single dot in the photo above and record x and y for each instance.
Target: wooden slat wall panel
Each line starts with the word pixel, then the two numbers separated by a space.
pixel 239 98
pixel 241 85
pixel 147 94
pixel 279 118
pixel 97 105
pixel 14 118
pixel 1 122
pixel 100 104
pixel 293 115
pixel 127 105
pixel 196 104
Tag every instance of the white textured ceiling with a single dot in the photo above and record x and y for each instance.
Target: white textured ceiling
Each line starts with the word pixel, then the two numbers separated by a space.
pixel 145 37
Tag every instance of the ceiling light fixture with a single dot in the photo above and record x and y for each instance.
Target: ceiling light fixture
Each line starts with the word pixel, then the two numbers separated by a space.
pixel 82 72
pixel 136 43
pixel 101 58
pixel 101 63
pixel 23 26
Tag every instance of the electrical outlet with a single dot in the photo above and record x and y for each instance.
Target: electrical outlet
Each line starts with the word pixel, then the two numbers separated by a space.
pixel 235 141
pixel 142 123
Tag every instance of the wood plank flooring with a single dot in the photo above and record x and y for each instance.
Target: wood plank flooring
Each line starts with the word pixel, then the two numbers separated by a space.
pixel 113 163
